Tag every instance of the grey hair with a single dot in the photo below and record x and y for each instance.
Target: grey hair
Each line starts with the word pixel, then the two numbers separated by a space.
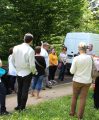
pixel 28 37
pixel 82 46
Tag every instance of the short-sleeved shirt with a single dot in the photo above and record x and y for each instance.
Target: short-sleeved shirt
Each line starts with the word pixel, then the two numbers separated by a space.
pixel 44 53
pixel 63 57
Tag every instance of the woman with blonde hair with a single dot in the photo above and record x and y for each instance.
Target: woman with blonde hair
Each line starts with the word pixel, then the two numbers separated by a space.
pixel 81 68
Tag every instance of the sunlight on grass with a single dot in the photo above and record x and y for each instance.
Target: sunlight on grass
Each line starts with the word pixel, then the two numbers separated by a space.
pixel 57 109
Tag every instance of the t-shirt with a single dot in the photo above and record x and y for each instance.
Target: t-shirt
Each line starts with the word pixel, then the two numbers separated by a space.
pixel 53 59
pixel 63 57
pixel 12 70
pixel 40 65
pixel 44 53
pixel 90 52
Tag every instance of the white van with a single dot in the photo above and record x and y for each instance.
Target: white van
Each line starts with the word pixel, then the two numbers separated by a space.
pixel 73 39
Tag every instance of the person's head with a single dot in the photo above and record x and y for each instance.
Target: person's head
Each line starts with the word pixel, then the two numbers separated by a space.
pixel 10 51
pixel 53 51
pixel 28 38
pixel 82 47
pixel 90 47
pixel 37 50
pixel 46 45
pixel 64 49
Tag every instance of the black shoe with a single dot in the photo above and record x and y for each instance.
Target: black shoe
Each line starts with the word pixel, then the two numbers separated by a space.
pixel 43 88
pixel 5 113
pixel 17 108
pixel 49 86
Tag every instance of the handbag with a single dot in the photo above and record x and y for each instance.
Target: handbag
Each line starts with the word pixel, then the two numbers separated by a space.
pixel 59 65
pixel 39 64
pixel 95 72
pixel 2 72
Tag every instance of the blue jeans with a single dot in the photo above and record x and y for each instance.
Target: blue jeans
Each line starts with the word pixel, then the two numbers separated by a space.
pixel 62 72
pixel 37 82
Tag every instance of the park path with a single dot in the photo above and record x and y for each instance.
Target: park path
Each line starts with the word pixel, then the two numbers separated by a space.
pixel 56 91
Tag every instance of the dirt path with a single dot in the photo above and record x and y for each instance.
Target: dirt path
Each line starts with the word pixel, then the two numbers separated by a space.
pixel 56 91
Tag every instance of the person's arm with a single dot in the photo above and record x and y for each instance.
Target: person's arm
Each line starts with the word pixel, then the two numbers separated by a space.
pixel 32 62
pixel 0 63
pixel 73 67
pixel 13 59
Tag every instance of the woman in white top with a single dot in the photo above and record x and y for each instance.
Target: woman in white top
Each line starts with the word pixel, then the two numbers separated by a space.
pixel 11 72
pixel 63 60
pixel 81 68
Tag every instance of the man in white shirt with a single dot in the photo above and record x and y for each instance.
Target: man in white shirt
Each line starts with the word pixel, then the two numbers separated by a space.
pixel 24 61
pixel 81 68
pixel 2 96
pixel 44 53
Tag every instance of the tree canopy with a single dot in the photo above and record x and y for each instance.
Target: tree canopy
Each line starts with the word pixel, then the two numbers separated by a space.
pixel 45 19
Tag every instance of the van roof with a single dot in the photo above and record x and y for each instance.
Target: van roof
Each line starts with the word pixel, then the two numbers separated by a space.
pixel 81 34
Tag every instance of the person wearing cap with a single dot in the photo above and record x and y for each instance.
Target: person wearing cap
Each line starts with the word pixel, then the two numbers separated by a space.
pixel 81 68
pixel 44 53
pixel 23 59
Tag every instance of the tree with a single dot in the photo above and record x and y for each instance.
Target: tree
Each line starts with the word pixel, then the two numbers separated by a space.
pixel 46 19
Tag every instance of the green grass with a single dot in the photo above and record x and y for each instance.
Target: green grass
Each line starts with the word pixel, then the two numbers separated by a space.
pixel 57 109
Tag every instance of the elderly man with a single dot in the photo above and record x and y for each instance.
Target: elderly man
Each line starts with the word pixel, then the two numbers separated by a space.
pixel 24 61
pixel 90 50
pixel 44 53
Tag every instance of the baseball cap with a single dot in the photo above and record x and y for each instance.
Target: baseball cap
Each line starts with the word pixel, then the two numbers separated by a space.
pixel 45 43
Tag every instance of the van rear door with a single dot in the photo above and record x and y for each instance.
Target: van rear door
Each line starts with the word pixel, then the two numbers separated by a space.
pixel 70 43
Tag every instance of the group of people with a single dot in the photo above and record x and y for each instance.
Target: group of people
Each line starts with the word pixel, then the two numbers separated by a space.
pixel 26 64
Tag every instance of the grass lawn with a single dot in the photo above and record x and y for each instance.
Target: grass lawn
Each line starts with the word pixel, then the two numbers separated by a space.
pixel 57 109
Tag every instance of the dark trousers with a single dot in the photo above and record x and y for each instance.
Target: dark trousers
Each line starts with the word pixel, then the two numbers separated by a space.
pixel 6 81
pixel 23 88
pixel 96 93
pixel 62 72
pixel 2 97
pixel 12 81
pixel 52 70
pixel 79 89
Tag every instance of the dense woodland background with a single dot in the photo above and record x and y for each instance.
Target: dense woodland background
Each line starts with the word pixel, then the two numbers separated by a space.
pixel 47 20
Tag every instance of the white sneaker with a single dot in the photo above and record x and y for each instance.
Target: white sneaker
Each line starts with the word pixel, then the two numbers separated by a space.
pixel 50 83
pixel 54 81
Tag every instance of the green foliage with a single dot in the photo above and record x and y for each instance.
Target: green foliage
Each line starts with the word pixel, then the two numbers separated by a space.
pixel 57 109
pixel 46 19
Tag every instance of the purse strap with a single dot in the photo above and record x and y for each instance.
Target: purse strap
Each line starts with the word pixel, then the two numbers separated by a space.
pixel 38 64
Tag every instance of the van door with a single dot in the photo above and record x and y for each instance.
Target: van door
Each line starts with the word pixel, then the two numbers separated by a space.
pixel 70 44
